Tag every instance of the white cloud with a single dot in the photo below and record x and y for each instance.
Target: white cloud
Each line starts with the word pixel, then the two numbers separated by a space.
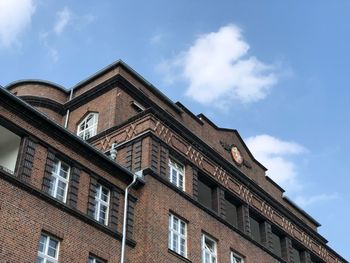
pixel 312 200
pixel 275 155
pixel 15 17
pixel 63 18
pixel 218 69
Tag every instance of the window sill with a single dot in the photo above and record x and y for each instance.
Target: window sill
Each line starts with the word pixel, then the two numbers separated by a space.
pixel 179 256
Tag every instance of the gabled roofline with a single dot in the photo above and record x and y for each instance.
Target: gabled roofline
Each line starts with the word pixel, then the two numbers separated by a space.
pixel 202 116
pixel 36 81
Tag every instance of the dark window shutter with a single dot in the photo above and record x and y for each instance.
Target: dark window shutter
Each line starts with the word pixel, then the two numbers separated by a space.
pixel 28 159
pixel 154 155
pixel 91 198
pixel 244 219
pixel 138 156
pixel 128 157
pixel 164 161
pixel 266 235
pixel 195 184
pixel 130 218
pixel 222 203
pixel 113 222
pixel 48 170
pixel 73 187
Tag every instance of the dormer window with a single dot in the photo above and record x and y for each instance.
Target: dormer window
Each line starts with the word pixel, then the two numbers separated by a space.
pixel 88 126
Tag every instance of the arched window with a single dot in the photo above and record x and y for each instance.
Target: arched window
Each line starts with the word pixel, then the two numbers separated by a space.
pixel 88 126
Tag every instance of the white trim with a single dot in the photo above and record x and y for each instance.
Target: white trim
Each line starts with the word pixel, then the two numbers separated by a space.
pixel 56 174
pixel 209 253
pixel 93 259
pixel 235 258
pixel 90 126
pixel 100 203
pixel 179 169
pixel 45 255
pixel 177 235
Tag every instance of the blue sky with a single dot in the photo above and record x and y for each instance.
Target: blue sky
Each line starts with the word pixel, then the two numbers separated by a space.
pixel 277 71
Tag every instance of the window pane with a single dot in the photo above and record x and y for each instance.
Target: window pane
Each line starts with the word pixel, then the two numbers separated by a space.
pixel 39 260
pixel 205 194
pixel 42 243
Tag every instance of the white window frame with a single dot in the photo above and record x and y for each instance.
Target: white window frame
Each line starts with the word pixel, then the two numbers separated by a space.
pixel 93 259
pixel 176 236
pixel 53 189
pixel 207 251
pixel 90 128
pixel 235 258
pixel 99 202
pixel 179 168
pixel 44 255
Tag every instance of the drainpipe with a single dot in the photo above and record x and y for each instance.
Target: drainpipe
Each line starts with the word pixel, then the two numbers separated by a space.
pixel 67 114
pixel 137 176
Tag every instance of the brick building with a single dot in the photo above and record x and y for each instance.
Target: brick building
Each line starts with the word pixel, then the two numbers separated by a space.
pixel 67 156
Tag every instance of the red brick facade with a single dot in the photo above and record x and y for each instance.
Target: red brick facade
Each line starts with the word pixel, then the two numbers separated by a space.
pixel 148 130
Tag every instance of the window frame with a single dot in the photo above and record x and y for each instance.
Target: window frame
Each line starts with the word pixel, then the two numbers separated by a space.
pixel 44 255
pixel 82 133
pixel 94 259
pixel 100 202
pixel 53 191
pixel 172 232
pixel 235 256
pixel 179 168
pixel 213 256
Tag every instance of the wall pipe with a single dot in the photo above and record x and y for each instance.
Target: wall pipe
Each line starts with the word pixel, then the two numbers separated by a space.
pixel 67 113
pixel 137 175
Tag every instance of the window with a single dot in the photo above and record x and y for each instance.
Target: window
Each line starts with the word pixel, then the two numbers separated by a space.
pixel 9 148
pixel 236 258
pixel 59 181
pixel 208 250
pixel 48 250
pixel 102 204
pixel 207 193
pixel 93 259
pixel 88 127
pixel 176 174
pixel 177 235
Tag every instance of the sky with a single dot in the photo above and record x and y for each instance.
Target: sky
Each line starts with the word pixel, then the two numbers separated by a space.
pixel 277 71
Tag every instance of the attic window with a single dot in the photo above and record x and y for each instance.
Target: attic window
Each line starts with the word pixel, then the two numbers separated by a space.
pixel 138 107
pixel 88 126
